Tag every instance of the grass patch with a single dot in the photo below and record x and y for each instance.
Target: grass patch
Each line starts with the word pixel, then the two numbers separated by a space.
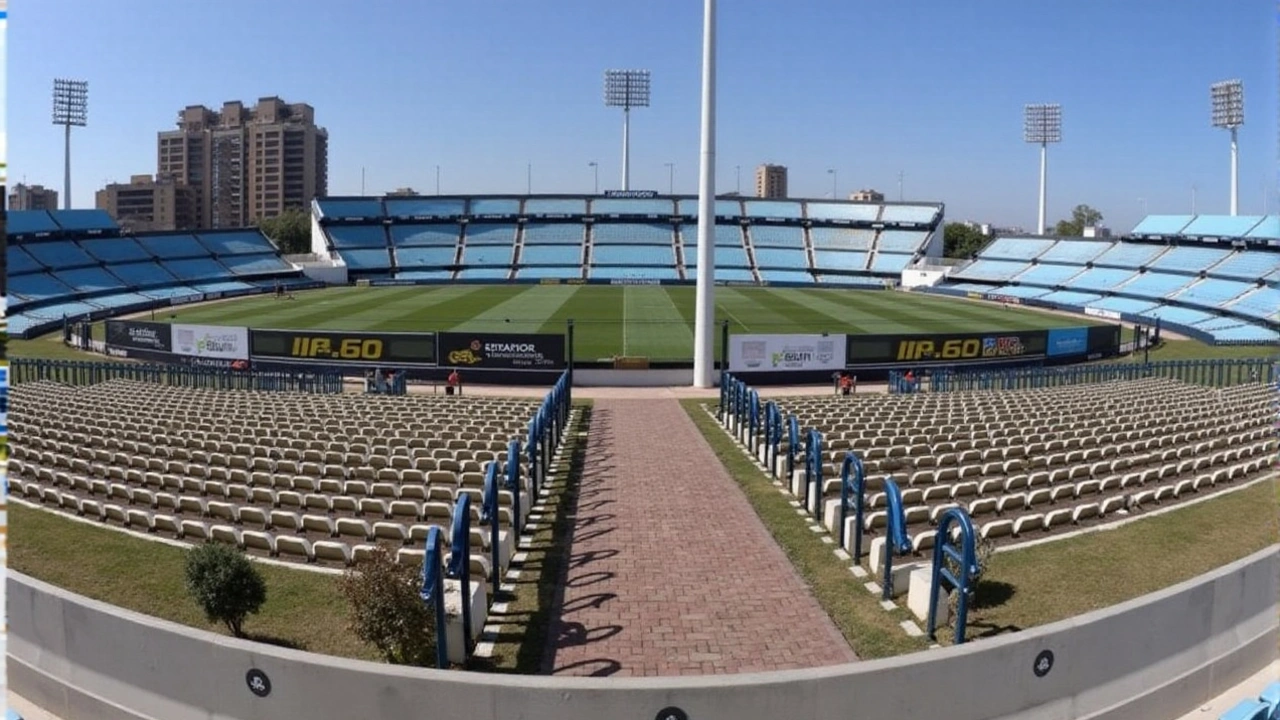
pixel 303 609
pixel 526 625
pixel 870 630
pixel 1058 580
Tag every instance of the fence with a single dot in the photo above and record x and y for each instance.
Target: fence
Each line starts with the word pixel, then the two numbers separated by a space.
pixel 79 372
pixel 1217 372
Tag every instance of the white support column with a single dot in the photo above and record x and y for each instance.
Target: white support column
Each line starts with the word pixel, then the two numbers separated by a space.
pixel 704 330
pixel 1235 174
pixel 626 148
pixel 1044 176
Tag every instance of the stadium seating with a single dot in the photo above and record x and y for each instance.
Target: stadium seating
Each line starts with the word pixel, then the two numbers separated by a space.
pixel 264 264
pixel 491 234
pixel 1267 229
pixel 350 208
pixel 430 275
pixel 1221 226
pixel 37 286
pixel 860 212
pixel 235 242
pixel 726 256
pixel 994 270
pixel 788 209
pixel 556 233
pixel 622 272
pixel 1016 248
pixel 89 280
pixel 174 247
pixel 1019 291
pixel 631 234
pixel 633 206
pixel 19 261
pixel 109 250
pixel 193 269
pixel 492 255
pixel 485 273
pixel 1156 284
pixel 367 259
pixel 62 254
pixel 1047 275
pixel 1179 315
pixel 555 206
pixel 404 207
pixel 889 263
pixel 417 235
pixel 776 236
pixel 1105 279
pixel 1129 255
pixel 919 214
pixel 1070 297
pixel 1213 293
pixel 1246 265
pixel 143 274
pixel 417 257
pixel 724 208
pixel 840 260
pixel 786 276
pixel 551 255
pixel 1073 251
pixel 548 272
pixel 494 206
pixel 1263 304
pixel 901 241
pixel 633 255
pixel 842 238
pixel 726 235
pixel 1189 259
pixel 1131 306
pixel 781 258
pixel 1163 225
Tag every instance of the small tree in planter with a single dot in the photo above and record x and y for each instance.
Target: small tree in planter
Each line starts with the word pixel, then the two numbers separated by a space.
pixel 387 610
pixel 224 584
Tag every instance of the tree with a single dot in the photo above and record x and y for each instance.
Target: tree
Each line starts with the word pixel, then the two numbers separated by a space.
pixel 1082 217
pixel 387 611
pixel 225 585
pixel 961 241
pixel 290 230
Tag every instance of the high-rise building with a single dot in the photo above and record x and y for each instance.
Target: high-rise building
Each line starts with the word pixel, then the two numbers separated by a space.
pixel 33 197
pixel 771 181
pixel 867 196
pixel 246 163
pixel 146 203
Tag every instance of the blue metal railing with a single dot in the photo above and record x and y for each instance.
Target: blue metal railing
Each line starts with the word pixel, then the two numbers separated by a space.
pixel 1216 372
pixel 853 486
pixel 966 562
pixel 459 567
pixel 811 495
pixel 84 372
pixel 896 541
pixel 432 592
pixel 489 507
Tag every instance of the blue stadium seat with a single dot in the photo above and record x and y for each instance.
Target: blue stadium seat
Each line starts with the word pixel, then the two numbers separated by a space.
pixel 884 262
pixel 1167 225
pixel 371 259
pixel 487 254
pixel 1251 334
pixel 169 291
pixel 1179 315
pixel 633 273
pixel 484 273
pixel 539 273
pixel 83 220
pixel 37 286
pixel 1213 293
pixel 551 255
pixel 555 206
pixel 903 241
pixel 1155 284
pixel 1251 709
pixel 861 281
pixel 631 233
pixel 997 270
pixel 1015 248
pixel 924 214
pixel 1073 251
pixel 862 212
pixel 1020 291
pixel 840 260
pixel 364 208
pixel 495 206
pixel 554 233
pixel 1267 229
pixel 633 206
pixel 1048 275
pixel 255 264
pixel 781 258
pixel 728 274
pixel 491 234
pixel 18 261
pixel 142 274
pixel 115 250
pixel 59 254
pixel 633 255
pixel 1070 297
pixel 402 207
pixel 1131 306
pixel 1263 303
pixel 30 222
pixel 1221 226
pixel 194 269
pixel 1220 323
pixel 842 238
pixel 786 276
pixel 1101 278
pixel 167 247
pixel 120 300
pixel 1271 696
pixel 1190 259
pixel 776 236
pixel 726 256
pixel 726 235
pixel 1129 255
pixel 343 237
pixel 417 235
pixel 1247 265
pixel 724 208
pixel 425 275
pixel 89 280
pixel 415 257
pixel 61 310
pixel 787 209
pixel 225 286
pixel 236 242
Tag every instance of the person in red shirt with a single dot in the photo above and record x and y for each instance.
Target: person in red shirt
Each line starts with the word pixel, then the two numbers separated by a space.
pixel 454 386
pixel 846 384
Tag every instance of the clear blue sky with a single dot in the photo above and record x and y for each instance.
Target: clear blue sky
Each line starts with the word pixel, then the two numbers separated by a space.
pixel 932 88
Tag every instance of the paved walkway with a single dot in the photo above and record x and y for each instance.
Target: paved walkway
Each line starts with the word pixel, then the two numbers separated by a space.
pixel 670 571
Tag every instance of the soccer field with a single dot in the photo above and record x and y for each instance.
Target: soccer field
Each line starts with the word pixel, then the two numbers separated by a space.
pixel 645 321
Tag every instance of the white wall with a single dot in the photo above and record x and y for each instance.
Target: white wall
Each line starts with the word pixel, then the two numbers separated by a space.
pixel 922 278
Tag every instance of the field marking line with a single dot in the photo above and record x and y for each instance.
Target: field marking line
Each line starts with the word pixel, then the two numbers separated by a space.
pixel 734 318
pixel 624 320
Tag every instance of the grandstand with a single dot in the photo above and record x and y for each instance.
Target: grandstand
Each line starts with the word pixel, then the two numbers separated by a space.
pixel 605 239
pixel 76 263
pixel 1214 278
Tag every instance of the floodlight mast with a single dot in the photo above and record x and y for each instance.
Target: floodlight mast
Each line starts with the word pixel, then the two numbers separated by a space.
pixel 704 311
pixel 70 108
pixel 626 89
pixel 1042 124
pixel 1227 98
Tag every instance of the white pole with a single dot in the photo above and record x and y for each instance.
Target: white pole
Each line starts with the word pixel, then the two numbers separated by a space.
pixel 626 148
pixel 1044 159
pixel 1235 174
pixel 704 336
pixel 66 170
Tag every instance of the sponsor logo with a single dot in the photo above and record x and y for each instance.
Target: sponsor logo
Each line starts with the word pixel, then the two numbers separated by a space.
pixel 635 281
pixel 346 349
pixel 960 348
pixel 754 353
pixel 631 193
pixel 116 352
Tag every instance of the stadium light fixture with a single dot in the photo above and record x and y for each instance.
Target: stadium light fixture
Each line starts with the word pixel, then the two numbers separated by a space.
pixel 626 89
pixel 704 308
pixel 1227 98
pixel 70 109
pixel 1042 124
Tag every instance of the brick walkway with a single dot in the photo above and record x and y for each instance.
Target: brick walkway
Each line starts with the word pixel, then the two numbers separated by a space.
pixel 670 571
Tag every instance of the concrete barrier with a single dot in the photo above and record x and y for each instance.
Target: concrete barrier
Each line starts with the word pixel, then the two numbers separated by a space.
pixel 1155 657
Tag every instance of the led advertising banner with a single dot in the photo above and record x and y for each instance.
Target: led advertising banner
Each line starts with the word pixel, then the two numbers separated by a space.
pixel 945 347
pixel 783 353
pixel 503 351
pixel 341 348
pixel 211 341
pixel 142 340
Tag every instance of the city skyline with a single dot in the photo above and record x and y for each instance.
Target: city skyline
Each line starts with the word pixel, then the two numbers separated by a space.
pixel 1136 132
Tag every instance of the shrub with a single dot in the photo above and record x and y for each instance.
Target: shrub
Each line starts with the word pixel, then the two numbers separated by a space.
pixel 387 611
pixel 224 584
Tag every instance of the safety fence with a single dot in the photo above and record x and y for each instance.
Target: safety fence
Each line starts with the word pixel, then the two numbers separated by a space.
pixel 83 372
pixel 1220 372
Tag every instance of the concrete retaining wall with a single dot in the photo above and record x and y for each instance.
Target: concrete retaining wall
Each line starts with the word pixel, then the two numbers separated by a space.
pixel 1155 657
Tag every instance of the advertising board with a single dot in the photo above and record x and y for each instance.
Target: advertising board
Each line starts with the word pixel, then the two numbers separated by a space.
pixel 945 347
pixel 786 353
pixel 211 341
pixel 331 347
pixel 502 351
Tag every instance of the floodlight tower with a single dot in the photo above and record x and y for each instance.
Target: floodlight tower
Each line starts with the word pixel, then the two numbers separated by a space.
pixel 626 89
pixel 70 107
pixel 1228 113
pixel 705 303
pixel 1042 123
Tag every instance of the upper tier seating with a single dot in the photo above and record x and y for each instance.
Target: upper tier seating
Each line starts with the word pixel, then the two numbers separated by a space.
pixel 1074 251
pixel 19 261
pixel 235 242
pixel 1129 255
pixel 1247 265
pixel 495 206
pixel 415 235
pixel 780 258
pixel 1190 259
pixel 789 209
pixel 491 234
pixel 404 207
pixel 352 208
pixel 776 236
pixel 633 255
pixel 1156 284
pixel 555 206
pixel 840 260
pixel 633 206
pixel 555 233
pixel 115 250
pixel 59 254
pixel 724 208
pixel 1221 226
pixel 1213 293
pixel 726 235
pixel 192 269
pixel 901 241
pixel 842 238
pixel 862 212
pixel 167 247
pixel 1015 248
pixel 922 214
pixel 1048 275
pixel 726 256
pixel 1167 225
pixel 885 262
pixel 631 233
pixel 357 236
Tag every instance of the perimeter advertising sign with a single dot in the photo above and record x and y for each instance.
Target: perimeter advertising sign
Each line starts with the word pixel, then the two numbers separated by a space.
pixel 502 351
pixel 214 342
pixel 786 353
pixel 946 347
pixel 135 339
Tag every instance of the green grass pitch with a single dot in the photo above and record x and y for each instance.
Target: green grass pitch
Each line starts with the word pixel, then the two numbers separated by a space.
pixel 646 321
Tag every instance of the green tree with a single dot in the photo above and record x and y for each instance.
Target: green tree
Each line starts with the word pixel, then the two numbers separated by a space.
pixel 1082 217
pixel 224 584
pixel 961 241
pixel 387 611
pixel 290 230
